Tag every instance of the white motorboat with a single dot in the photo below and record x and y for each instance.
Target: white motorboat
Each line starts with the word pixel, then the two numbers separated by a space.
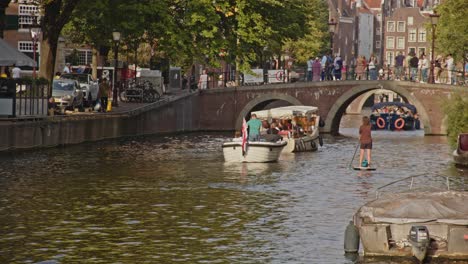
pixel 255 151
pixel 303 134
pixel 422 221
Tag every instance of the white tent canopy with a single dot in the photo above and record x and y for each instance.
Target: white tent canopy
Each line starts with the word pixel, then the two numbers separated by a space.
pixel 286 112
pixel 9 56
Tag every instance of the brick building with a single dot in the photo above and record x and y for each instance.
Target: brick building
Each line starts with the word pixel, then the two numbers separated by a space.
pixel 19 16
pixel 405 32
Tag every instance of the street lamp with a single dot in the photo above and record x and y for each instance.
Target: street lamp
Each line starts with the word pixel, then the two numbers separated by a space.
pixel 34 30
pixel 331 29
pixel 116 38
pixel 434 19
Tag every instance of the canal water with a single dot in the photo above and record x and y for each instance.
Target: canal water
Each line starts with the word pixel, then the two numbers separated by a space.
pixel 173 199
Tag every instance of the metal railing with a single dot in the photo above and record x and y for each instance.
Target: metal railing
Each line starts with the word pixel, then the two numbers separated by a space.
pixel 23 98
pixel 218 79
pixel 422 182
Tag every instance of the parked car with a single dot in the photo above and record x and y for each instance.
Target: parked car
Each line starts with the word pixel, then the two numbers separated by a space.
pixel 67 94
pixel 89 86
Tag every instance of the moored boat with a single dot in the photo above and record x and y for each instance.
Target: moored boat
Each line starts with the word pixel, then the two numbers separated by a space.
pixel 394 116
pixel 303 131
pixel 255 151
pixel 460 155
pixel 420 222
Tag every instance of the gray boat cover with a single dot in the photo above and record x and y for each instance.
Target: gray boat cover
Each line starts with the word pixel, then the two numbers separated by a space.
pixel 449 207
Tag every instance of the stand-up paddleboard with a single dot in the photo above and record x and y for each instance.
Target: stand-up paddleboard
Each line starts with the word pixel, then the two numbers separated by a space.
pixel 365 168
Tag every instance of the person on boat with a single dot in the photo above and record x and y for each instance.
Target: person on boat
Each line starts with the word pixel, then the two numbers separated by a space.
pixel 273 129
pixel 254 126
pixel 365 139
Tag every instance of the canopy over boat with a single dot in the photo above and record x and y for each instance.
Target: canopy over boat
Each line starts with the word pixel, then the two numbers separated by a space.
pixel 397 104
pixel 411 207
pixel 286 112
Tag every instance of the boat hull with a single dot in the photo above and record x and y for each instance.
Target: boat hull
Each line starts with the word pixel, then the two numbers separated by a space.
pixel 460 155
pixel 256 151
pixel 302 144
pixel 386 224
pixel 460 158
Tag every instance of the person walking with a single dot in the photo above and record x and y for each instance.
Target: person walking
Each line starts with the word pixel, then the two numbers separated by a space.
pixel 399 60
pixel 450 69
pixel 413 64
pixel 337 66
pixel 424 66
pixel 254 126
pixel 365 140
pixel 104 90
pixel 373 68
pixel 310 62
pixel 66 69
pixel 316 70
pixel 203 81
pixel 16 72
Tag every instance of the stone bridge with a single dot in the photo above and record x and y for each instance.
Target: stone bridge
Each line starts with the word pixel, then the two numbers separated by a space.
pixel 223 109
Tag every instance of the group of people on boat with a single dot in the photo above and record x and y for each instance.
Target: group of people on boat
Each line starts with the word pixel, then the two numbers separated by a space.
pixel 394 118
pixel 277 128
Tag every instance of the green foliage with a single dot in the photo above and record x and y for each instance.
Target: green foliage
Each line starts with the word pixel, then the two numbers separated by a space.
pixel 456 109
pixel 188 31
pixel 452 32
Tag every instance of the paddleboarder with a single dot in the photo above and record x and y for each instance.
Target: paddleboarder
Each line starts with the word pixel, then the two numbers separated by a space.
pixel 365 139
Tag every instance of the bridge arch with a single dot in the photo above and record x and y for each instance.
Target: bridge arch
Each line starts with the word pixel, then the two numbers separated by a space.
pixel 332 121
pixel 264 99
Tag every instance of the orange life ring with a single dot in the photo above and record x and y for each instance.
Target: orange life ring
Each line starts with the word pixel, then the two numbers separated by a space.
pixel 401 121
pixel 380 123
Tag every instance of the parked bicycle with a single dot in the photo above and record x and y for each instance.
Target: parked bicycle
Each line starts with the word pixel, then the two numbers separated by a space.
pixel 142 92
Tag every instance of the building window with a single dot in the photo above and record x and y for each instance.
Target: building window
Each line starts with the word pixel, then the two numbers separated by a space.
pixel 400 43
pixel 412 35
pixel 411 51
pixel 27 48
pixel 422 35
pixel 377 31
pixel 391 26
pixel 401 26
pixel 390 42
pixel 26 15
pixel 410 21
pixel 79 57
pixel 377 44
pixel 390 56
pixel 421 51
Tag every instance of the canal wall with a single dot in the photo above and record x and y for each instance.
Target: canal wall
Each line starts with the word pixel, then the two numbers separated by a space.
pixel 171 116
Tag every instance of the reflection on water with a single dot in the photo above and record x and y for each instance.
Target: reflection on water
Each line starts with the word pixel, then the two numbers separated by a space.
pixel 173 199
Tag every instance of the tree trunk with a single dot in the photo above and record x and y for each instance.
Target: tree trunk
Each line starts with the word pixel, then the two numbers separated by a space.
pixel 3 5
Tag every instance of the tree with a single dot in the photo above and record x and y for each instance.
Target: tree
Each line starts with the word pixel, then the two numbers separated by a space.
pixel 3 5
pixel 456 109
pixel 452 32
pixel 56 13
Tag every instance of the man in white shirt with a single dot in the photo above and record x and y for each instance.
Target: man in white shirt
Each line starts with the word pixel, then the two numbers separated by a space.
pixel 450 69
pixel 16 72
pixel 66 69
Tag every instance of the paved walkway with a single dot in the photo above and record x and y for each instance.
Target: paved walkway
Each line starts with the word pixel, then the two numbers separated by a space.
pixel 123 107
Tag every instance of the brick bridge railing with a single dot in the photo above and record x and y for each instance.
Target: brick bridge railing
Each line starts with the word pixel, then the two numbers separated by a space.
pixel 224 108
